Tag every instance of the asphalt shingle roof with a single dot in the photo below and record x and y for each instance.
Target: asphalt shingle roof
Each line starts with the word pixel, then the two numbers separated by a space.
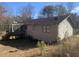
pixel 51 20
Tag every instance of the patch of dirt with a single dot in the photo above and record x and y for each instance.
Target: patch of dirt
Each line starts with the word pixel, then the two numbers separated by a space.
pixel 17 48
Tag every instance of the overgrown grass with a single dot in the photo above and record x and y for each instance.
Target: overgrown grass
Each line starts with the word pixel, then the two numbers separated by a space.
pixel 68 48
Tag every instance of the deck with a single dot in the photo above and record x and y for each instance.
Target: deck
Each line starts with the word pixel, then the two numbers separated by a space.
pixel 17 30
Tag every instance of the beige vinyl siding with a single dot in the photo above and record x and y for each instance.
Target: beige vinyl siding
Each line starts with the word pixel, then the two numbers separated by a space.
pixel 37 32
pixel 64 29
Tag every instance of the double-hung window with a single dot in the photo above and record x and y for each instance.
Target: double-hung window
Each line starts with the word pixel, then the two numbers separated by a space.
pixel 46 28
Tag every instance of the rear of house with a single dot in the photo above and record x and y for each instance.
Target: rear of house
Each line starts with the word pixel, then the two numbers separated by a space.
pixel 50 29
pixel 42 32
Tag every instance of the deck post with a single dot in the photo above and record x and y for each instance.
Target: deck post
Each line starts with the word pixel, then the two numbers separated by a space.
pixel 12 27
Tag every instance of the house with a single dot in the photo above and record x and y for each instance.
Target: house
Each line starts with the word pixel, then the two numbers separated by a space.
pixel 50 29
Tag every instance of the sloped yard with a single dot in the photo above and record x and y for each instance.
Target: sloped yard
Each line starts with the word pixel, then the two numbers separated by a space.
pixel 25 48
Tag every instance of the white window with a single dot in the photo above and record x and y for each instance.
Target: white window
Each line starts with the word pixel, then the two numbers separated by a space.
pixel 46 28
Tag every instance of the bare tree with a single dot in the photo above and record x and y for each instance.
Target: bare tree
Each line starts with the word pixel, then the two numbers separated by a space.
pixel 3 12
pixel 26 13
pixel 2 16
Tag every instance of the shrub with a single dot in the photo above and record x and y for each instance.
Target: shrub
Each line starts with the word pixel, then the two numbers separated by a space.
pixel 42 46
pixel 69 47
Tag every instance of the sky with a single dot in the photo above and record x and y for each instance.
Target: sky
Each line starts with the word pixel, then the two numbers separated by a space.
pixel 14 7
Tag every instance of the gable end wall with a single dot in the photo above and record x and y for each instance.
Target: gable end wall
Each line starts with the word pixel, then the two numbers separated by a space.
pixel 64 29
